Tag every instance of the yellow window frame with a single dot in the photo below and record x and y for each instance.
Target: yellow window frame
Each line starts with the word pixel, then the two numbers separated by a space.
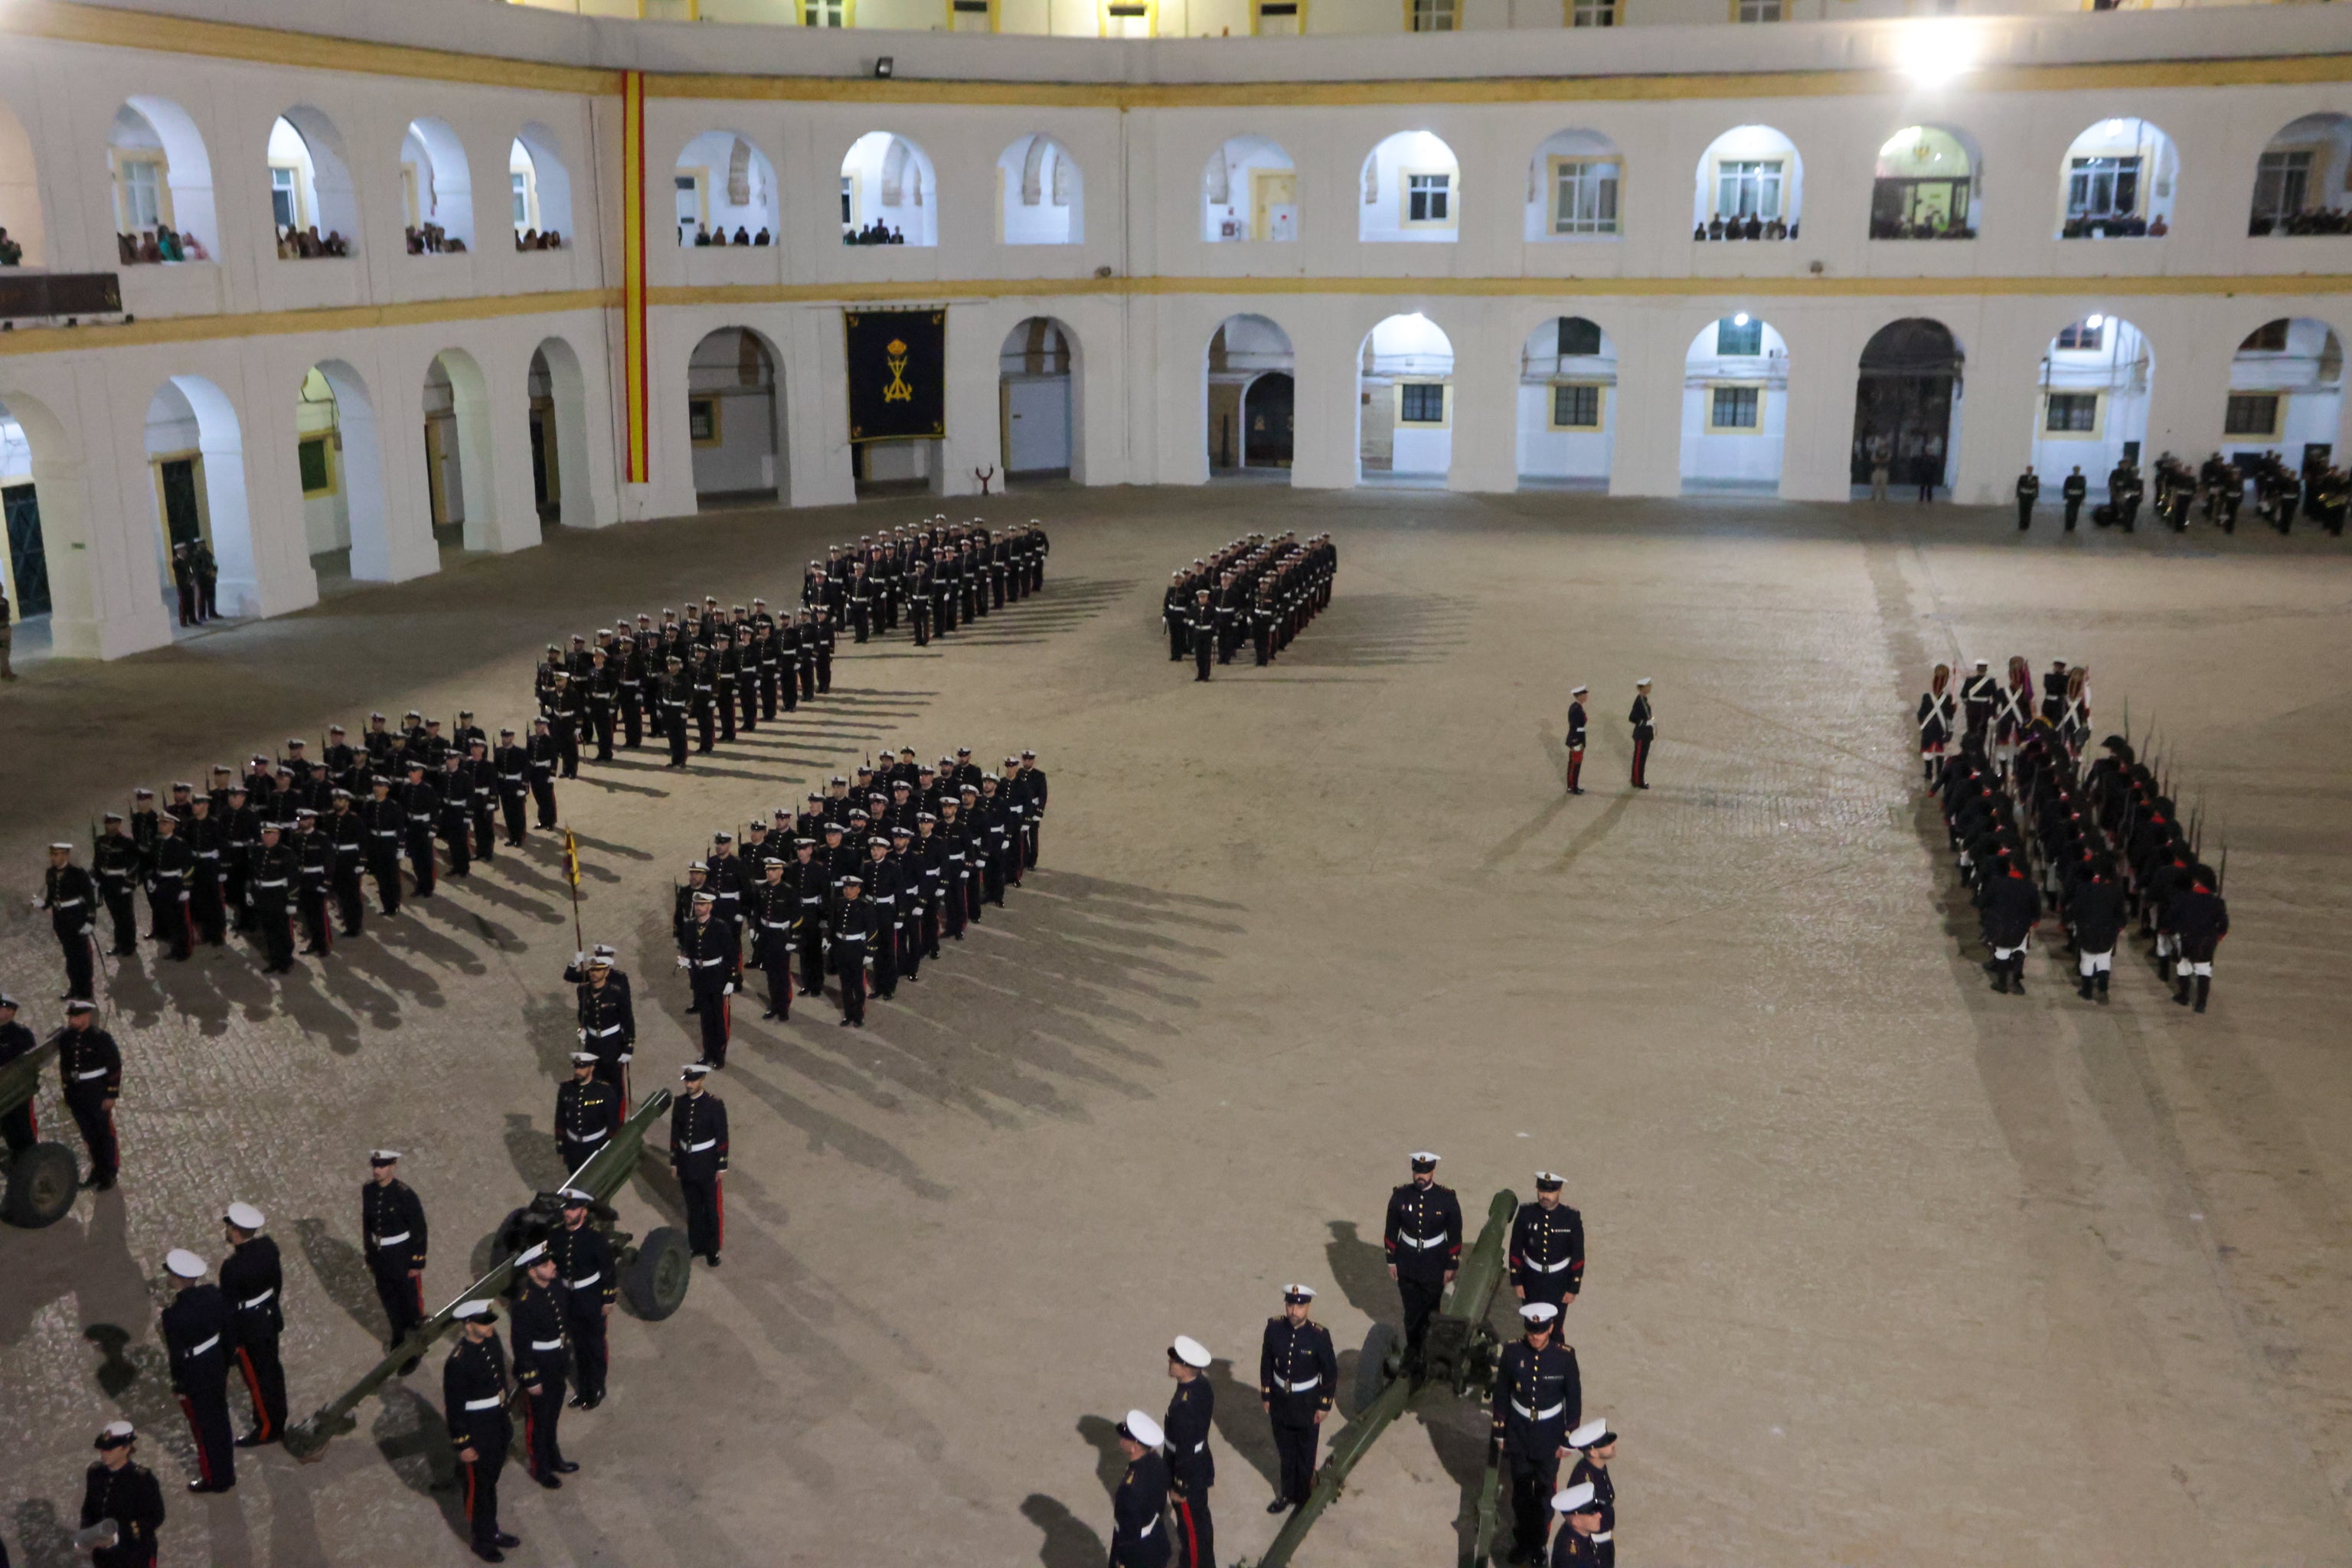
pixel 302 219
pixel 1600 406
pixel 1103 18
pixel 2098 430
pixel 1763 395
pixel 1445 404
pixel 1453 218
pixel 1258 8
pixel 718 412
pixel 119 161
pixel 994 22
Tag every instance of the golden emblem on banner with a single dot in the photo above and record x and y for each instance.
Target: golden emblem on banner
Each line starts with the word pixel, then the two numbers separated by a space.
pixel 898 390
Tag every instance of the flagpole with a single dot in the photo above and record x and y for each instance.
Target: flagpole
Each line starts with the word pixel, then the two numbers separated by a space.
pixel 571 875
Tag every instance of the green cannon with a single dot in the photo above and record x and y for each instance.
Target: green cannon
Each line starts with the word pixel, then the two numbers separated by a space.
pixel 1461 1355
pixel 653 1273
pixel 42 1180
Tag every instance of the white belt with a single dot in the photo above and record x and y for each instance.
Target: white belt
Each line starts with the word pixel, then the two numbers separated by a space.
pixel 545 1345
pixel 583 1284
pixel 199 1349
pixel 710 962
pixel 1419 1245
pixel 257 1301
pixel 613 1029
pixel 1549 1267
pixel 1538 1415
pixel 66 904
pixel 1298 1387
pixel 1147 1526
pixel 1604 1535
pixel 279 883
pixel 383 833
pixel 593 1137
pixel 388 1240
pixel 699 1148
pixel 885 899
pixel 511 778
pixel 490 1403
pixel 201 854
pixel 99 1073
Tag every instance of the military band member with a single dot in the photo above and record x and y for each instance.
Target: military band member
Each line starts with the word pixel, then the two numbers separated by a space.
pixel 1644 731
pixel 1424 1239
pixel 2029 490
pixel 1938 712
pixel 1192 1468
pixel 1576 723
pixel 70 894
pixel 1539 1398
pixel 587 1111
pixel 474 1403
pixel 587 1285
pixel 1137 1507
pixel 118 1491
pixel 1547 1247
pixel 392 1230
pixel 710 955
pixel 253 1281
pixel 542 1366
pixel 198 1337
pixel 1595 1446
pixel 1296 1368
pixel 90 1079
pixel 697 1155
pixel 1581 1538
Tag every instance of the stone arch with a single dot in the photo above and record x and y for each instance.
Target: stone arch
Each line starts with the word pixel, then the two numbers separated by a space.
pixel 1906 409
pixel 461 452
pixel 436 183
pixel 734 407
pixel 1249 353
pixel 1411 191
pixel 20 191
pixel 1040 382
pixel 1735 405
pixel 311 177
pixel 888 179
pixel 1249 190
pixel 1567 405
pixel 1042 194
pixel 196 455
pixel 1750 183
pixel 1927 184
pixel 544 194
pixel 2286 390
pixel 1404 406
pixel 2303 179
pixel 2117 182
pixel 561 475
pixel 163 177
pixel 725 184
pixel 352 515
pixel 2097 375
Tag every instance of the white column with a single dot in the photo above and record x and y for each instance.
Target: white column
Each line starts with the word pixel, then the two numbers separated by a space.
pixel 974 419
pixel 1485 404
pixel 1645 456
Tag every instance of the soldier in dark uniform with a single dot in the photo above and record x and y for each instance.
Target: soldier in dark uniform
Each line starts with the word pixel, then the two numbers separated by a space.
pixel 199 1335
pixel 169 868
pixel 698 1157
pixel 420 810
pixel 208 843
pixel 854 928
pixel 118 1491
pixel 2095 917
pixel 386 826
pixel 542 1366
pixel 772 907
pixel 1192 1468
pixel 1141 1499
pixel 886 890
pixel 70 894
pixel 2072 491
pixel 474 1403
pixel 90 1079
pixel 2029 490
pixel 1296 1368
pixel 1580 1541
pixel 273 870
pixel 348 834
pixel 1539 1398
pixel 587 1286
pixel 240 825
pixel 1645 731
pixel 1201 633
pixel 391 1232
pixel 1423 1236
pixel 607 1018
pixel 1980 699
pixel 1547 1247
pixel 1575 724
pixel 587 1111
pixel 2199 918
pixel 709 954
pixel 117 863
pixel 2011 909
pixel 812 894
pixel 254 1283
pixel 1595 1446
pixel 540 759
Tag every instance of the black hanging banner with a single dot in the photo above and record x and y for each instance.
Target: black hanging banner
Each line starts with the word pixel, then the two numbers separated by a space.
pixel 898 374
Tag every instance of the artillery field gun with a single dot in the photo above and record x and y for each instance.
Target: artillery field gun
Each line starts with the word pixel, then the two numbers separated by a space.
pixel 42 1180
pixel 655 1273
pixel 1460 1354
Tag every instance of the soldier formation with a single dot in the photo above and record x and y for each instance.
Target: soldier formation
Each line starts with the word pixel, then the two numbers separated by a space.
pixel 1535 1415
pixel 2217 488
pixel 2032 830
pixel 1255 590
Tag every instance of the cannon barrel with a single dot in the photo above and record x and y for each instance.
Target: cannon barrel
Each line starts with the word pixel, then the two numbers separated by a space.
pixel 1473 1296
pixel 20 1080
pixel 601 1175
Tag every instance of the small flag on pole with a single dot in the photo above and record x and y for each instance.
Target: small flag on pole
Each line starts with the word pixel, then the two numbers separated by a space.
pixel 571 858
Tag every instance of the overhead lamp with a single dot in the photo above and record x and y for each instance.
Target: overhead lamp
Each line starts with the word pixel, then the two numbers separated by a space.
pixel 1740 319
pixel 1933 52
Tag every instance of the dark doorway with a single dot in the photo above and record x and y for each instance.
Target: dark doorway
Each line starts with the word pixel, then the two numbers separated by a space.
pixel 183 521
pixel 1266 421
pixel 542 465
pixel 29 561
pixel 1903 408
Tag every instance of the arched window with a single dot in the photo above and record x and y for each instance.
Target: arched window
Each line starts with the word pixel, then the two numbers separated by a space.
pixel 162 183
pixel 539 190
pixel 725 192
pixel 1574 182
pixel 2303 181
pixel 1248 389
pixel 22 232
pixel 1412 191
pixel 436 190
pixel 1928 186
pixel 732 405
pixel 1735 405
pixel 2287 392
pixel 1249 190
pixel 2092 413
pixel 1037 388
pixel 313 204
pixel 1405 403
pixel 1752 186
pixel 1567 418
pixel 1906 408
pixel 888 194
pixel 1042 194
pixel 2118 183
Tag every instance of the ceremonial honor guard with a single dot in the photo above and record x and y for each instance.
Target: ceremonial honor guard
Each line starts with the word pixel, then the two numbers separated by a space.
pixel 70 896
pixel 587 1111
pixel 2094 915
pixel 1579 1541
pixel 2199 918
pixel 540 757
pixel 2072 491
pixel 391 1227
pixel 273 872
pixel 169 863
pixel 1191 1468
pixel 1644 731
pixel 1979 697
pixel 1539 1398
pixel 117 863
pixel 1200 626
pixel 2029 490
pixel 1296 1368
pixel 587 1285
pixel 198 1335
pixel 1136 1539
pixel 254 1282
pixel 89 1077
pixel 117 1491
pixel 541 1366
pixel 1937 714
pixel 1424 1239
pixel 1547 1247
pixel 1595 1446
pixel 474 1403
pixel 697 1155
pixel 2011 908
pixel 854 927
pixel 1575 721
pixel 709 954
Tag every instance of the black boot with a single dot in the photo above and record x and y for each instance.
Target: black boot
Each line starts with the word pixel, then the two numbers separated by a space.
pixel 2000 978
pixel 2204 989
pixel 2102 985
pixel 2017 976
pixel 2083 990
pixel 2181 992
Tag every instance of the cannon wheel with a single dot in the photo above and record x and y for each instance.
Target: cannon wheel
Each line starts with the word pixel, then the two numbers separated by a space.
pixel 656 1280
pixel 41 1186
pixel 1369 1378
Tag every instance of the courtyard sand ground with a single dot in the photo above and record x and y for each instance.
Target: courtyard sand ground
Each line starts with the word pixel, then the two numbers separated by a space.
pixel 1884 1269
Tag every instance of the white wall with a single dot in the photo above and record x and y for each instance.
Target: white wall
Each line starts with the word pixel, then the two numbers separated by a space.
pixel 1744 458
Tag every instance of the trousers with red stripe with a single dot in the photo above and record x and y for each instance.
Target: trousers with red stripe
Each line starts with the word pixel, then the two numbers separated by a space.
pixel 481 1481
pixel 1196 1533
pixel 207 1413
pixel 265 1380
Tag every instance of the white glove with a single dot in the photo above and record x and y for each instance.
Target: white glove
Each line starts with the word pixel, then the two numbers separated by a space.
pixel 579 958
pixel 583 1033
pixel 728 991
pixel 682 963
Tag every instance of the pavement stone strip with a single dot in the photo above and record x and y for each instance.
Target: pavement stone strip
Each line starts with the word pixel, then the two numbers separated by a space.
pixel 1883 1268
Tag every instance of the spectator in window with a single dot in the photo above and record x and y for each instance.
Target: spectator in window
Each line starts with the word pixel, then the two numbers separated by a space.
pixel 759 238
pixel 2157 228
pixel 1755 227
pixel 1776 229
pixel 194 248
pixel 148 249
pixel 11 253
pixel 741 237
pixel 701 235
pixel 1715 227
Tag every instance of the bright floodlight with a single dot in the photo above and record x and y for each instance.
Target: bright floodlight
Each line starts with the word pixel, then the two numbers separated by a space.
pixel 1740 319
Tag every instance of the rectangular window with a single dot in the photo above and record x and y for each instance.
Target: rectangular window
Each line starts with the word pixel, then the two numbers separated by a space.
pixel 285 197
pixel 1578 336
pixel 1736 407
pixel 2082 335
pixel 1732 340
pixel 2252 414
pixel 1426 198
pixel 2268 338
pixel 1128 19
pixel 317 468
pixel 143 188
pixel 1429 15
pixel 2102 188
pixel 825 12
pixel 1584 196
pixel 702 421
pixel 970 16
pixel 2071 414
pixel 1576 408
pixel 2282 182
pixel 1748 187
pixel 524 185
pixel 1756 11
pixel 1591 12
pixel 1421 402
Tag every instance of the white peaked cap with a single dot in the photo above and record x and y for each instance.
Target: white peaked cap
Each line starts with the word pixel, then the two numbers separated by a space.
pixel 185 1263
pixel 1539 1312
pixel 1143 1430
pixel 245 1216
pixel 1191 1351
pixel 1591 1432
pixel 1577 1499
